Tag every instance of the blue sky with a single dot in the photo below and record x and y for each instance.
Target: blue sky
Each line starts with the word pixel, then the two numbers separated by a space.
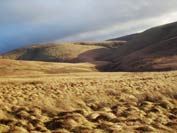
pixel 25 22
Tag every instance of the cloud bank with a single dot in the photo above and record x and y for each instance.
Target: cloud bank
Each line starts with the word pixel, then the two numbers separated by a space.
pixel 24 22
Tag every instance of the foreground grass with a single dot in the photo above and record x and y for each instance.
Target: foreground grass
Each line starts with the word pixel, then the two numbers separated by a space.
pixel 89 103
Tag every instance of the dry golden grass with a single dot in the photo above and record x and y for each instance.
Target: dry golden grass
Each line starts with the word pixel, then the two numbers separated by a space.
pixel 14 67
pixel 89 103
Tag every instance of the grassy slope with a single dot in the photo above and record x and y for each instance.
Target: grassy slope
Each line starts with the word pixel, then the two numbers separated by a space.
pixel 152 44
pixel 160 56
pixel 50 52
pixel 64 52
pixel 152 50
pixel 96 53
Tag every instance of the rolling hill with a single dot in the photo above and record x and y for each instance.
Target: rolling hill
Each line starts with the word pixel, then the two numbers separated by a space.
pixel 152 50
pixel 64 52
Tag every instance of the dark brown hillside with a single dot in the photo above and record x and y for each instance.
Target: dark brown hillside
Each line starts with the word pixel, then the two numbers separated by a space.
pixel 147 38
pixel 153 50
pixel 161 56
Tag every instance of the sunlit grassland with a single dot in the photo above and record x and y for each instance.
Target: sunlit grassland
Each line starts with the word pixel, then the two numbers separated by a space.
pixel 89 102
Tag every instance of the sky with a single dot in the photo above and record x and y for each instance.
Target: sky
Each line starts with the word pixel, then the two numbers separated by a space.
pixel 26 22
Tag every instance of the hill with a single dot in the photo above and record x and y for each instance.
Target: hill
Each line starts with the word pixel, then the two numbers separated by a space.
pixel 64 52
pixel 154 49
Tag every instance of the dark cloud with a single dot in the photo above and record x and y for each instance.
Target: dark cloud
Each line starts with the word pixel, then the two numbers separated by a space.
pixel 24 22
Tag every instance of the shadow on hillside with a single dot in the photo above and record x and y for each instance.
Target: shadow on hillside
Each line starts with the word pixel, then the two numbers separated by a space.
pixel 101 58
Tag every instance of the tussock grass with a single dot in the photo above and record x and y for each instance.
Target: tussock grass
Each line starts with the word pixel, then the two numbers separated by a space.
pixel 89 102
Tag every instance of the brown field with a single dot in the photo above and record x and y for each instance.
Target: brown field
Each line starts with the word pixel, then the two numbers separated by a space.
pixel 91 102
pixel 14 67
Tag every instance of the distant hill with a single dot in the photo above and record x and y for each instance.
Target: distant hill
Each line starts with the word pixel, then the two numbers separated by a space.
pixel 65 52
pixel 151 50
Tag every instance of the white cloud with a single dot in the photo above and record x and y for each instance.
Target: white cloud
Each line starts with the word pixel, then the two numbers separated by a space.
pixel 121 29
pixel 24 22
